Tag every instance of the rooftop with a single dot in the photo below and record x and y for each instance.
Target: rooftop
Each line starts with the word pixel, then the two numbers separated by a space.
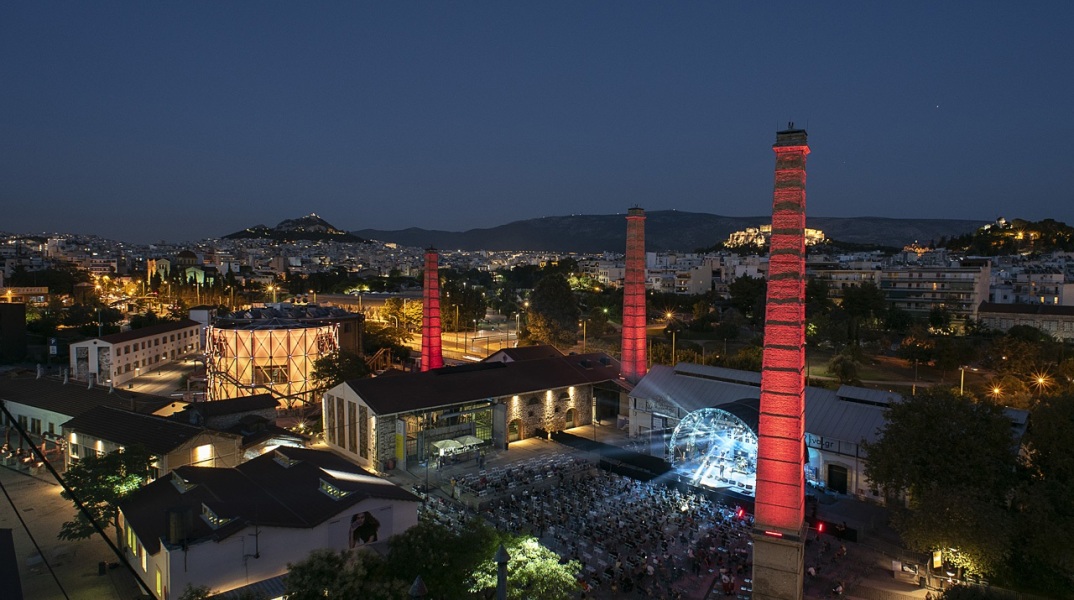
pixel 481 381
pixel 277 489
pixel 158 435
pixel 74 398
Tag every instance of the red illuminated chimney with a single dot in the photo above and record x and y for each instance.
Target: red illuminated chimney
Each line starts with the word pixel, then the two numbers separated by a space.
pixel 432 356
pixel 780 507
pixel 634 363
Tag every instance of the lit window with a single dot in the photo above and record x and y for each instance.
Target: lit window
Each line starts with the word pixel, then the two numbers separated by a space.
pixel 212 518
pixel 203 454
pixel 332 491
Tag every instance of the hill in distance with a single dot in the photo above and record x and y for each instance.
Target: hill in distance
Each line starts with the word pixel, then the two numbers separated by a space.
pixel 665 231
pixel 309 227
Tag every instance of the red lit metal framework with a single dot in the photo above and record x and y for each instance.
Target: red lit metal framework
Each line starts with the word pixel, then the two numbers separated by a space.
pixel 432 356
pixel 780 449
pixel 634 314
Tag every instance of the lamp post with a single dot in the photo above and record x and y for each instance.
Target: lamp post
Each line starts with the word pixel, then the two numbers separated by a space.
pixel 475 335
pixel 961 381
pixel 673 332
pixel 583 323
pixel 314 293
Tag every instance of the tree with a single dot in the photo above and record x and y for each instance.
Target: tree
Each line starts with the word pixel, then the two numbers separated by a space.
pixel 863 304
pixel 344 575
pixel 750 358
pixel 439 554
pixel 533 571
pixel 1045 514
pixel 333 369
pixel 844 367
pixel 100 482
pixel 955 458
pixel 553 312
pixel 817 297
pixel 748 297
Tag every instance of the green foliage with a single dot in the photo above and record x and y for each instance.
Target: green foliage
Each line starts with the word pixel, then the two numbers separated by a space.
pixel 864 305
pixel 191 592
pixel 100 482
pixel 817 297
pixel 1043 498
pixel 332 369
pixel 955 457
pixel 845 367
pixel 440 556
pixel 746 359
pixel 748 297
pixel 460 298
pixel 553 312
pixel 343 575
pixel 533 571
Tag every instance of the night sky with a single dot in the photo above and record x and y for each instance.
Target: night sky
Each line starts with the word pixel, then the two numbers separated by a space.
pixel 146 121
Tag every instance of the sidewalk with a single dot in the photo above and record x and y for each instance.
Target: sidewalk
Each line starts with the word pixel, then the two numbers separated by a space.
pixel 75 562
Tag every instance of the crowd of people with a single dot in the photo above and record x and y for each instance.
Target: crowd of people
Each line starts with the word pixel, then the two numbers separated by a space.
pixel 540 471
pixel 632 537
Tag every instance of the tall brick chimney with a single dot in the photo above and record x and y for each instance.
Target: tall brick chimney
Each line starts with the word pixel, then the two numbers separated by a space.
pixel 432 356
pixel 779 532
pixel 634 365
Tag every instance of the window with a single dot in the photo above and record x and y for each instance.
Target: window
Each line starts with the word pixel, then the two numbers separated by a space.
pixel 352 430
pixel 363 431
pixel 270 374
pixel 160 583
pixel 332 491
pixel 211 517
pixel 203 454
pixel 35 426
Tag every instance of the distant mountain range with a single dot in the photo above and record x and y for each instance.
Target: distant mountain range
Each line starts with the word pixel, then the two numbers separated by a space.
pixel 309 227
pixel 665 231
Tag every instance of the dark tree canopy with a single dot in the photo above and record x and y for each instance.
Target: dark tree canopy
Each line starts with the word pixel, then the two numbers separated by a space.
pixel 553 312
pixel 346 574
pixel 955 457
pixel 332 369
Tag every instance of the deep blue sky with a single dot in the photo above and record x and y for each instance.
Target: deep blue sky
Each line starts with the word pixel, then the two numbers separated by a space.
pixel 180 120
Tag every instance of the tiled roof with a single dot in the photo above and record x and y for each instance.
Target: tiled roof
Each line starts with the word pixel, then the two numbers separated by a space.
pixel 480 381
pixel 152 330
pixel 525 353
pixel 232 406
pixel 156 434
pixel 262 491
pixel 74 398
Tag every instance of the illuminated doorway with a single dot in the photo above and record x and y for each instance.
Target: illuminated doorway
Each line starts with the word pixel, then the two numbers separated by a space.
pixel 514 431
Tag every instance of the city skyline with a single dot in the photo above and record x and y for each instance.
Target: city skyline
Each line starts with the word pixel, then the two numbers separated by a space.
pixel 177 122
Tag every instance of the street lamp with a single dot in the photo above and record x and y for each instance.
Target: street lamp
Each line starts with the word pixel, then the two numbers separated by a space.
pixel 583 323
pixel 314 296
pixel 475 335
